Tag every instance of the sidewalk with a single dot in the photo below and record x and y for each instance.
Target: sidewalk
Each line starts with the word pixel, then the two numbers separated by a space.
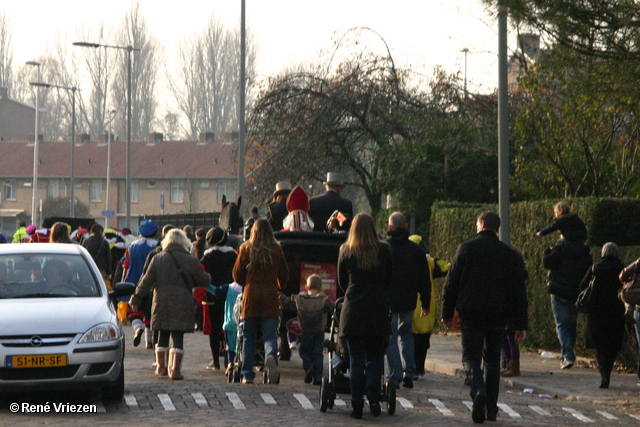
pixel 542 375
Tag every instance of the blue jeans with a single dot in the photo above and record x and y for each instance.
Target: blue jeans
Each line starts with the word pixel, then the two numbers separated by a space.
pixel 366 364
pixel 566 316
pixel 311 352
pixel 401 355
pixel 269 328
pixel 480 343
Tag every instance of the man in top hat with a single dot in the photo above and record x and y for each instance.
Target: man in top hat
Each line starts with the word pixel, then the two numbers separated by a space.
pixel 322 207
pixel 277 209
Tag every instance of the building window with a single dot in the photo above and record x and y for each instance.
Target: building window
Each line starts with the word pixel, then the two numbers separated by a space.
pixel 10 190
pixel 134 191
pixel 53 189
pixel 151 184
pixel 95 190
pixel 224 189
pixel 177 191
pixel 204 184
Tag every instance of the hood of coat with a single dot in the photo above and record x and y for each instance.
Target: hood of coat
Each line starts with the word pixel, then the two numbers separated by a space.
pixel 399 234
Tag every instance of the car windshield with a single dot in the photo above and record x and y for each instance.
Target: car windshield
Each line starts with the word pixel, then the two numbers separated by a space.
pixel 46 276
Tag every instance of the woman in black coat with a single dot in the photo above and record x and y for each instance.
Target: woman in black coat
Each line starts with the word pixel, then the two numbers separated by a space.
pixel 364 273
pixel 605 318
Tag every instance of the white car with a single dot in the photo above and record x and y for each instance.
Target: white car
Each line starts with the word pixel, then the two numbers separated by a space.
pixel 58 324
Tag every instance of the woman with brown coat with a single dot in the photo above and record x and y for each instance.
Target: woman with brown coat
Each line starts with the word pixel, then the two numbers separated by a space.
pixel 262 271
pixel 171 277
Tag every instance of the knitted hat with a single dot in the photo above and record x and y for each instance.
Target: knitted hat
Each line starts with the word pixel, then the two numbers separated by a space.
pixel 216 236
pixel 148 228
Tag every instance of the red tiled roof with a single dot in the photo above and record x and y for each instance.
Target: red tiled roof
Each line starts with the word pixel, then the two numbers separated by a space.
pixel 167 159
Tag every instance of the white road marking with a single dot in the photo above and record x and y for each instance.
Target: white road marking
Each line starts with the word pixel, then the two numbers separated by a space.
pixel 200 399
pixel 468 404
pixel 306 404
pixel 268 399
pixel 506 409
pixel 637 417
pixel 540 411
pixel 340 402
pixel 166 402
pixel 608 415
pixel 235 400
pixel 441 407
pixel 130 400
pixel 100 407
pixel 404 402
pixel 578 415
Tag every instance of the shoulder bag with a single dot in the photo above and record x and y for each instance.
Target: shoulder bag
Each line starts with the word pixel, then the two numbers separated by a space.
pixel 585 299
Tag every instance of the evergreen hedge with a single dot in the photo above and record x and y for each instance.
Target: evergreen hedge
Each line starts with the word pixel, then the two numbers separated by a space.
pixel 607 220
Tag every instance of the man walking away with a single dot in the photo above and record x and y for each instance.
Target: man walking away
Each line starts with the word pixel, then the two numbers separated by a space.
pixel 486 285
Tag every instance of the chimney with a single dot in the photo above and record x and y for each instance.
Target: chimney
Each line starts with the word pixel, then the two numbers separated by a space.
pixel 205 138
pixel 154 137
pixel 82 138
pixel 104 138
pixel 32 138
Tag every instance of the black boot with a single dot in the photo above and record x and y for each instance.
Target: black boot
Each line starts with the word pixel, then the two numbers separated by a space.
pixel 373 396
pixel 357 409
pixel 605 378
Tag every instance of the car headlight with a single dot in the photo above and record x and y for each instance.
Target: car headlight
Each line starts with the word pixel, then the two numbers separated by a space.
pixel 101 332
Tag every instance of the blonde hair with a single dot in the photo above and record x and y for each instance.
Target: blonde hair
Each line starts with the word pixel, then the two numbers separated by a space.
pixel 314 282
pixel 362 242
pixel 260 244
pixel 562 208
pixel 175 236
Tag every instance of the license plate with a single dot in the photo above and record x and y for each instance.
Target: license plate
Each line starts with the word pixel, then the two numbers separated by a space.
pixel 37 361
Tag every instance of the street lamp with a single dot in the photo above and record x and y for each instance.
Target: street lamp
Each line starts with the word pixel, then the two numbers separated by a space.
pixel 73 90
pixel 129 50
pixel 34 200
pixel 112 114
pixel 466 51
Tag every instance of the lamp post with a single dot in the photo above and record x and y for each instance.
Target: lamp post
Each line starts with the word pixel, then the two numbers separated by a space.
pixel 241 101
pixel 130 49
pixel 466 51
pixel 34 201
pixel 73 139
pixel 112 114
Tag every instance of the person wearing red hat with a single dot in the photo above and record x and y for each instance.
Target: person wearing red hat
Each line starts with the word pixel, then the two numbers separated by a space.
pixel 298 208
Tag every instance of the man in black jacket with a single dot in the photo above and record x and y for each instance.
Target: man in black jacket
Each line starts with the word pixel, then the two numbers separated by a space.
pixel 322 207
pixel 486 284
pixel 410 277
pixel 568 261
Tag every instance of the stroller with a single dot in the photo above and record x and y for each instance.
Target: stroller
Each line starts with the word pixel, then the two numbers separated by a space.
pixel 338 380
pixel 234 375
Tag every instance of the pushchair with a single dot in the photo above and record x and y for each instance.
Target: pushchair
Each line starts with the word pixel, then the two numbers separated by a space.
pixel 338 380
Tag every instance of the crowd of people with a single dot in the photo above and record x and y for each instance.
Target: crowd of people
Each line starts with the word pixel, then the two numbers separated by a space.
pixel 190 280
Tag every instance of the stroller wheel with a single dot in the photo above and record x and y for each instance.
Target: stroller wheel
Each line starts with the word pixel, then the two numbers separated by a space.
pixel 237 376
pixel 230 376
pixel 391 398
pixel 325 395
pixel 265 377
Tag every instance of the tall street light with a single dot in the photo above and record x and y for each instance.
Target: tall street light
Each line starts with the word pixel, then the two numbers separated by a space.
pixel 242 101
pixel 130 49
pixel 72 207
pixel 34 201
pixel 112 114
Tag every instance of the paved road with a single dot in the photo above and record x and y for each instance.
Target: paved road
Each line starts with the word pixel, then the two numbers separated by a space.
pixel 205 398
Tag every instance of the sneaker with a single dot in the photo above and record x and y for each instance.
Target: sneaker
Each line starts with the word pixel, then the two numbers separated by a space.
pixel 137 337
pixel 293 345
pixel 479 406
pixel 566 364
pixel 407 381
pixel 308 376
pixel 272 370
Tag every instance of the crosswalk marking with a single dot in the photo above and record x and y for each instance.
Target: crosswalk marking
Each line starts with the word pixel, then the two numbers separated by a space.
pixel 578 415
pixel 540 411
pixel 404 402
pixel 340 402
pixel 441 407
pixel 506 409
pixel 166 402
pixel 130 400
pixel 468 404
pixel 306 404
pixel 100 409
pixel 608 415
pixel 637 417
pixel 235 400
pixel 268 399
pixel 200 400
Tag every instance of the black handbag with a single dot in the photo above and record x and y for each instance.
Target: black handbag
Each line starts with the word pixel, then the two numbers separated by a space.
pixel 585 299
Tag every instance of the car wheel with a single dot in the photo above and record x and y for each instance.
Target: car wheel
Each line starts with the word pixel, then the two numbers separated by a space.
pixel 115 392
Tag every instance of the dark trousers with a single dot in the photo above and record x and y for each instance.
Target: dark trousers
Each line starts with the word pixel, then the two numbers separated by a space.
pixel 606 358
pixel 177 339
pixel 311 352
pixel 366 364
pixel 422 343
pixel 483 344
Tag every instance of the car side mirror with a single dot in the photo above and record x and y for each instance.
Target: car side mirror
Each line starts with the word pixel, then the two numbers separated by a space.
pixel 122 289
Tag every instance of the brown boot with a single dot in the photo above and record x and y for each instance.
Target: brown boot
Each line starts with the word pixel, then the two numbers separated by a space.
pixel 175 363
pixel 161 361
pixel 513 369
pixel 506 368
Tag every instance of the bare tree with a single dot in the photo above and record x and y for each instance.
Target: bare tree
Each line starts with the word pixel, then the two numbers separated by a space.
pixel 145 66
pixel 6 53
pixel 207 82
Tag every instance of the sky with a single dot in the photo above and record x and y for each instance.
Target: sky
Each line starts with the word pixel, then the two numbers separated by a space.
pixel 421 34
